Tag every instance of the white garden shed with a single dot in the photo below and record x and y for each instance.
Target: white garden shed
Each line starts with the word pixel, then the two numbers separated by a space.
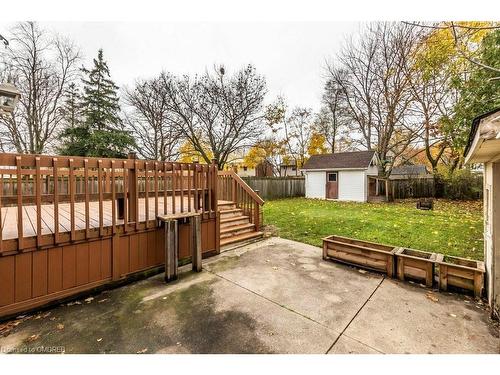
pixel 344 176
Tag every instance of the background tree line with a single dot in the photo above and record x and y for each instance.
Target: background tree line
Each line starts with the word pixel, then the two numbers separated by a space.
pixel 408 91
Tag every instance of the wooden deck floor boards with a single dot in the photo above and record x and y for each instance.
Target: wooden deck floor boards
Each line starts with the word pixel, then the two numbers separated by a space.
pixel 9 215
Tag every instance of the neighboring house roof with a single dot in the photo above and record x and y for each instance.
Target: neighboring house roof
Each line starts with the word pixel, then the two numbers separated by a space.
pixel 340 160
pixel 409 170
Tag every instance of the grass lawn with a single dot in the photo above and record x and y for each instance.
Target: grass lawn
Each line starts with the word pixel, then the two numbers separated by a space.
pixel 453 227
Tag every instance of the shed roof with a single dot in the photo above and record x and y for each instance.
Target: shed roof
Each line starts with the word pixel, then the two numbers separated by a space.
pixel 340 160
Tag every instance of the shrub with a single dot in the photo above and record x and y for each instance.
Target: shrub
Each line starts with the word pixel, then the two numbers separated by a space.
pixel 460 184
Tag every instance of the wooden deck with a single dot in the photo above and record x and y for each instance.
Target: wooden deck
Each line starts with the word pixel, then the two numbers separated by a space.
pixel 10 215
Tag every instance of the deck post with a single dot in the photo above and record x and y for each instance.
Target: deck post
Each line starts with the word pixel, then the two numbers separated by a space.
pixel 234 193
pixel 215 187
pixel 171 246
pixel 195 229
pixel 195 187
pixel 132 189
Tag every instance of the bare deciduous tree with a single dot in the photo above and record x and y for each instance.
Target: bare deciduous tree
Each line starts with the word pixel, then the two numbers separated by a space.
pixel 370 71
pixel 41 65
pixel 298 132
pixel 151 120
pixel 219 115
pixel 332 119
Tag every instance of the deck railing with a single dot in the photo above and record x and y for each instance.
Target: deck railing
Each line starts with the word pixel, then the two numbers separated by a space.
pixel 232 188
pixel 48 200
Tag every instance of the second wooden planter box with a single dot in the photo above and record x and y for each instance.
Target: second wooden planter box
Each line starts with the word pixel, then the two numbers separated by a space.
pixel 366 254
pixel 415 264
pixel 462 273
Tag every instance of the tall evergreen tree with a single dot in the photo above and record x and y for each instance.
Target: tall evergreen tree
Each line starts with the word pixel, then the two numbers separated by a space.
pixel 71 115
pixel 101 132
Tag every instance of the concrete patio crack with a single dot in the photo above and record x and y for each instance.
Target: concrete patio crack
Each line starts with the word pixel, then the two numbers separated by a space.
pixel 354 317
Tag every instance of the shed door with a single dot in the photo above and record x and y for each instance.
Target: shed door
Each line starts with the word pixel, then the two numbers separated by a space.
pixel 332 185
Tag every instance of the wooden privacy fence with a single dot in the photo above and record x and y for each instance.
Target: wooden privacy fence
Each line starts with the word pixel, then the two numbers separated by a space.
pixel 231 187
pixel 277 187
pixel 70 224
pixel 413 188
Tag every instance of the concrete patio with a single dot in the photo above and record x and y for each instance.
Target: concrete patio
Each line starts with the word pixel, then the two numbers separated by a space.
pixel 274 296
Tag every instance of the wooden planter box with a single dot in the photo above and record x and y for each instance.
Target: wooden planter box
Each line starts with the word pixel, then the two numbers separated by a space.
pixel 415 264
pixel 370 255
pixel 462 273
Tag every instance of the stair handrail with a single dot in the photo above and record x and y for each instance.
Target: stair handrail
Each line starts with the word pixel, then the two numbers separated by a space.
pixel 247 188
pixel 251 193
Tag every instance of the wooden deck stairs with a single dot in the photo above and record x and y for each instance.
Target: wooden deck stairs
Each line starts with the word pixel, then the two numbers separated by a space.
pixel 235 226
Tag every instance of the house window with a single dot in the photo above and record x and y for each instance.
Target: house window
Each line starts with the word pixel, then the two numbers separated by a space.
pixel 332 177
pixel 245 168
pixel 294 168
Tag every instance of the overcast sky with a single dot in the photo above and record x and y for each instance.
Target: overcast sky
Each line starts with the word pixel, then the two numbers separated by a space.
pixel 291 55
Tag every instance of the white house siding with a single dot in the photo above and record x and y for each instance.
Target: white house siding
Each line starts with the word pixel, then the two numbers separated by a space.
pixel 250 172
pixel 315 184
pixel 491 232
pixel 352 185
pixel 372 171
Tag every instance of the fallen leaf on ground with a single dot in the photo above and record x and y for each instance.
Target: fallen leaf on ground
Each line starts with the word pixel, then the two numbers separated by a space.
pixel 99 339
pixel 60 326
pixel 33 338
pixel 453 315
pixel 90 299
pixel 142 351
pixel 103 300
pixel 362 271
pixel 432 297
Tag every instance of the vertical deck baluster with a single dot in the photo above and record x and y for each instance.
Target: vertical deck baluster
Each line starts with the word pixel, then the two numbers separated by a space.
pixel 209 188
pixel 38 198
pixel 165 196
pixel 146 192
pixel 156 189
pixel 195 186
pixel 113 198
pixel 87 197
pixel 215 202
pixel 204 189
pixel 101 198
pixel 72 197
pixel 1 217
pixel 19 204
pixel 136 198
pixel 189 186
pixel 182 186
pixel 56 200
pixel 125 196
pixel 173 187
